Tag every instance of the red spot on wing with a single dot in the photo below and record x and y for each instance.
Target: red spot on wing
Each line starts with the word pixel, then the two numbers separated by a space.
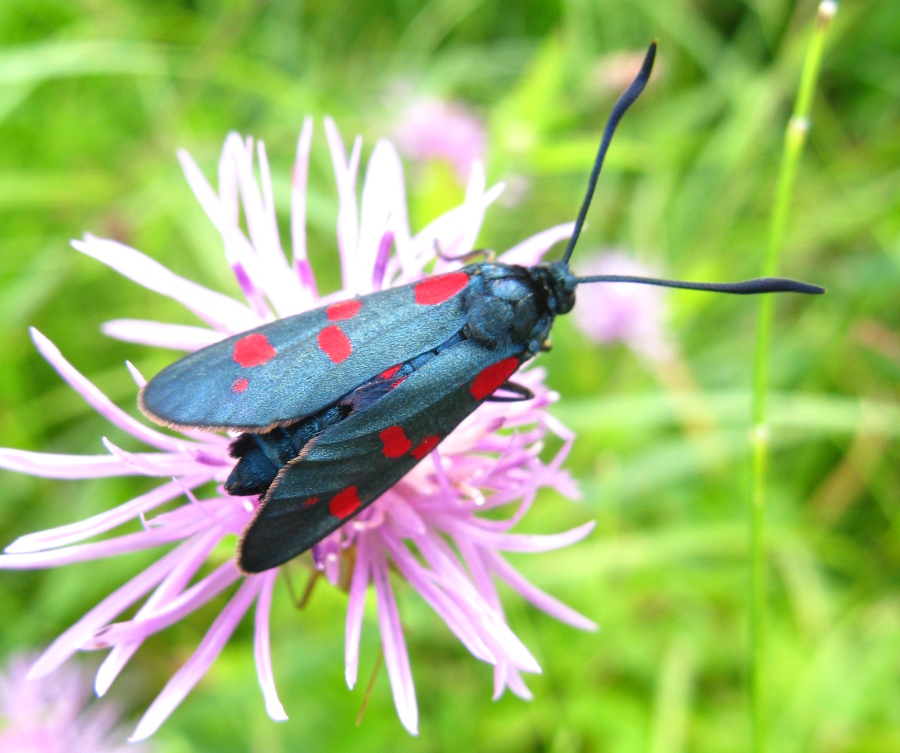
pixel 335 344
pixel 439 289
pixel 342 310
pixel 344 503
pixel 240 385
pixel 426 446
pixel 396 384
pixel 388 373
pixel 310 501
pixel 492 377
pixel 253 350
pixel 396 443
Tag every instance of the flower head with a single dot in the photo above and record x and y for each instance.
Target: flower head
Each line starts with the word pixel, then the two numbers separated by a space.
pixel 432 129
pixel 633 314
pixel 429 526
pixel 53 716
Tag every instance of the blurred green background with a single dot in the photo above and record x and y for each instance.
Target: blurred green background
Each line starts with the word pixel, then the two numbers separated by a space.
pixel 96 96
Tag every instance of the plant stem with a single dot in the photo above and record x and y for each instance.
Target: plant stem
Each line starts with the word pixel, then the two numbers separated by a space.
pixel 794 140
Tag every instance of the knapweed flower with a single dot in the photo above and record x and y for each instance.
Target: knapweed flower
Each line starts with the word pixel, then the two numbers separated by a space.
pixel 429 528
pixel 632 314
pixel 432 129
pixel 55 715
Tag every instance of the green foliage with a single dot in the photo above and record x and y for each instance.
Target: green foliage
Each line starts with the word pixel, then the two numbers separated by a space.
pixel 95 98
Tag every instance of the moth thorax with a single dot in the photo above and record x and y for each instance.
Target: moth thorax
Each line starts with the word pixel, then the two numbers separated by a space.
pixel 506 311
pixel 490 321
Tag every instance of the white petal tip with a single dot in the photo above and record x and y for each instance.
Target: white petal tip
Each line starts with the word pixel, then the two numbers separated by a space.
pixel 411 726
pixel 21 546
pixel 40 670
pixel 135 374
pixel 144 730
pixel 276 712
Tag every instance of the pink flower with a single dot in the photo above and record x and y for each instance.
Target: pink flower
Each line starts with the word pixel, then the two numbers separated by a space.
pixel 633 314
pixel 429 526
pixel 53 716
pixel 431 129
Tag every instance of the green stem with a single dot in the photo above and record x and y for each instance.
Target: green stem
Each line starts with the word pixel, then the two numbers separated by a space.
pixel 794 140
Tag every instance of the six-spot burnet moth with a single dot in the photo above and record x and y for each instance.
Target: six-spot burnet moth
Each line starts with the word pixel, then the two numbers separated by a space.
pixel 337 404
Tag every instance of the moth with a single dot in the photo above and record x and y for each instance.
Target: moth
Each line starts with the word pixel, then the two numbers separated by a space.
pixel 337 404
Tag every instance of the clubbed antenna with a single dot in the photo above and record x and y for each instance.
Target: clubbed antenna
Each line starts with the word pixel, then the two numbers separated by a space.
pixel 625 101
pixel 747 287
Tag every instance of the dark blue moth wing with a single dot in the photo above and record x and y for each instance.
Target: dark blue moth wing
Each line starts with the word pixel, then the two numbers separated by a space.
pixel 348 466
pixel 296 366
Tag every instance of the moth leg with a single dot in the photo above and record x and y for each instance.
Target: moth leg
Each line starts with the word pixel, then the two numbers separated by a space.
pixel 307 591
pixel 521 392
pixel 378 662
pixel 488 253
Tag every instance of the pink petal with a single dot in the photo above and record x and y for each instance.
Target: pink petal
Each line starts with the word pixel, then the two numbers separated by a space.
pixel 118 601
pixel 216 210
pixel 395 657
pixel 231 513
pixel 157 334
pixel 51 465
pixel 455 618
pixel 298 215
pixel 474 208
pixel 212 644
pixel 404 517
pixel 356 606
pixel 536 596
pixel 505 672
pixel 261 648
pixel 489 620
pixel 271 252
pixel 381 260
pixel 100 402
pixel 131 542
pixel 224 211
pixel 348 222
pixel 267 264
pixel 298 191
pixel 506 675
pixel 515 542
pixel 157 463
pixel 217 310
pixel 383 209
pixel 169 613
pixel 447 491
pixel 452 231
pixel 531 250
pixel 105 521
pixel 139 379
pixel 191 560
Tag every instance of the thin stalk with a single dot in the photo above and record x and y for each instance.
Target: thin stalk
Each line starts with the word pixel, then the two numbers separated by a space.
pixel 794 140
